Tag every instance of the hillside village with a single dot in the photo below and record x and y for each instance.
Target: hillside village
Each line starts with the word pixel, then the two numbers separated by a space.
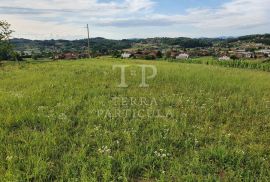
pixel 246 47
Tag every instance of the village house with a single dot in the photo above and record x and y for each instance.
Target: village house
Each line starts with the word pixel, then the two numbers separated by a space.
pixel 126 55
pixel 139 55
pixel 182 56
pixel 224 58
pixel 174 54
pixel 260 55
pixel 145 54
pixel 204 52
pixel 231 52
pixel 27 53
pixel 152 55
pixel 83 55
pixel 263 53
pixel 243 54
pixel 68 56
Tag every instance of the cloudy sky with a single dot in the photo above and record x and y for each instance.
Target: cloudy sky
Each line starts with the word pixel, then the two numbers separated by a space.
pixel 118 19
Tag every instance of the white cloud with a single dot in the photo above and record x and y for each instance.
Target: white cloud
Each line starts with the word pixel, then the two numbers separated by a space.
pixel 43 30
pixel 66 18
pixel 235 14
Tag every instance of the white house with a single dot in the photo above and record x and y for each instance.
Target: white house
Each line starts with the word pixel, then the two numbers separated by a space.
pixel 126 55
pixel 244 54
pixel 264 51
pixel 182 56
pixel 224 58
pixel 27 53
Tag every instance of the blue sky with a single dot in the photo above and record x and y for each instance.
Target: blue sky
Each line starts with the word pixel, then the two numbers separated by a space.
pixel 118 19
pixel 179 6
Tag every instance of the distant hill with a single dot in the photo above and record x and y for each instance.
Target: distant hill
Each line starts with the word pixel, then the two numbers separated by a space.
pixel 97 44
pixel 264 39
pixel 104 46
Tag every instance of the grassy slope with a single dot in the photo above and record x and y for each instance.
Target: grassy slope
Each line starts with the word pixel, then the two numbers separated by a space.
pixel 257 64
pixel 48 131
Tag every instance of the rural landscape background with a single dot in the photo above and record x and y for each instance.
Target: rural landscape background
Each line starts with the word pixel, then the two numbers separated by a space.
pixel 96 104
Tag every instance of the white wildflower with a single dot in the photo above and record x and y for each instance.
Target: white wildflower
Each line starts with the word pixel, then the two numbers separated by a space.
pixel 161 153
pixel 196 141
pixel 41 108
pixel 9 158
pixel 96 128
pixel 58 104
pixel 104 150
pixel 18 95
pixel 62 116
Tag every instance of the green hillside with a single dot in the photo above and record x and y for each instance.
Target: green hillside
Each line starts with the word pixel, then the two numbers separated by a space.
pixel 106 46
pixel 68 121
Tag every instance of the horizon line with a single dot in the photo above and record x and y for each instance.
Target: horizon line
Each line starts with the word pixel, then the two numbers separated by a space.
pixel 218 37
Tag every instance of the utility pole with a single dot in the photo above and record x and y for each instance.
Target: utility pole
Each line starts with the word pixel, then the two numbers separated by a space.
pixel 88 41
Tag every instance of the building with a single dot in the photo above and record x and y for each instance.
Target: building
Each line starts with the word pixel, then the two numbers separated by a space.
pixel 126 55
pixel 260 55
pixel 27 53
pixel 244 54
pixel 68 56
pixel 263 53
pixel 83 55
pixel 182 56
pixel 174 54
pixel 224 58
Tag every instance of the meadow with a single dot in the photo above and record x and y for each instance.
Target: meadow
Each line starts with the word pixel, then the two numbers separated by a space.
pixel 256 64
pixel 68 121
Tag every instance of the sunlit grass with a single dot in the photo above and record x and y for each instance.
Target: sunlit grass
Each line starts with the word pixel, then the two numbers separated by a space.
pixel 50 129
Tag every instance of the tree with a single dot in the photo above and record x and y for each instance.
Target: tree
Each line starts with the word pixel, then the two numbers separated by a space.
pixel 159 54
pixel 116 54
pixel 168 54
pixel 234 57
pixel 35 56
pixel 5 31
pixel 6 51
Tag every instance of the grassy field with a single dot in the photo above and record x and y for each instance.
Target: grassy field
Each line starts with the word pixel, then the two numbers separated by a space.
pixel 256 64
pixel 68 121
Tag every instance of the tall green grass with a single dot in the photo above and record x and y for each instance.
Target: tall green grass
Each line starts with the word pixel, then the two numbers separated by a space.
pixel 49 130
pixel 263 65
